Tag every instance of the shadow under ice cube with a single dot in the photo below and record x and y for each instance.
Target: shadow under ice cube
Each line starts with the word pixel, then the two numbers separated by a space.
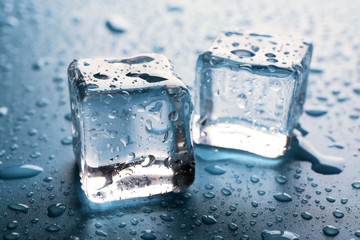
pixel 250 91
pixel 131 132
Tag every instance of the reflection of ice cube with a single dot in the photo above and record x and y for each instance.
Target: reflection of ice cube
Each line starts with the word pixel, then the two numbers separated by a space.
pixel 125 112
pixel 251 91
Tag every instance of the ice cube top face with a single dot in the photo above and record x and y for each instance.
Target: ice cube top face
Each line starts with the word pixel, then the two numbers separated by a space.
pixel 250 91
pixel 131 128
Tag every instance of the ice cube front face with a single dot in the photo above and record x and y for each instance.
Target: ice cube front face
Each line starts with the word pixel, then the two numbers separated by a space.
pixel 250 90
pixel 131 132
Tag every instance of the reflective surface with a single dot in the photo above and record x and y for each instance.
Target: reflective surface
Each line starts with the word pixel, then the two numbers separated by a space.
pixel 234 195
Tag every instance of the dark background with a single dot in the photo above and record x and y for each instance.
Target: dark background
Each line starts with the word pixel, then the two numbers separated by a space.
pixel 39 39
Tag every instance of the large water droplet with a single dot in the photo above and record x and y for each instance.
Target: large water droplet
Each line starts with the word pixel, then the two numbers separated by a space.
pixel 315 112
pixel 215 170
pixel 19 207
pixel 330 231
pixel 20 171
pixel 283 197
pixel 356 185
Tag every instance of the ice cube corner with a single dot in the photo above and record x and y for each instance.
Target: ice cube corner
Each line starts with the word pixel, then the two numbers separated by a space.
pixel 250 91
pixel 131 127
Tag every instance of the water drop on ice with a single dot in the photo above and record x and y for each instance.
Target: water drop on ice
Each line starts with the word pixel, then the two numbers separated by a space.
pixel 243 53
pixel 356 185
pixel 148 235
pixel 278 235
pixel 306 216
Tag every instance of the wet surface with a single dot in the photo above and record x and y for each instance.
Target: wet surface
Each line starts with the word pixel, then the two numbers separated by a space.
pixel 235 195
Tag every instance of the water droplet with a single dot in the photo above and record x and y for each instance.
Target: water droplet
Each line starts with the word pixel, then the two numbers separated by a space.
pixel 53 228
pixel 306 216
pixel 233 227
pixel 3 111
pixel 56 210
pixel 330 199
pixel 66 141
pixel 12 225
pixel 275 85
pixel 42 102
pixel 315 112
pixel 242 53
pixel 148 235
pixel 173 116
pixel 215 170
pixel 101 233
pixel 208 220
pixel 101 76
pixel 12 236
pixel 241 101
pixel 330 231
pixel 356 185
pixel 20 171
pixel 117 24
pixel 122 225
pixel 283 197
pixel 209 195
pixel 270 55
pixel 281 179
pixel 167 217
pixel 277 235
pixel 226 191
pixel 149 160
pixel 338 214
pixel 254 179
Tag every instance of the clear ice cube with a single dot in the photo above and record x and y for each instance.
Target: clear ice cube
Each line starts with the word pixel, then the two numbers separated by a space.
pixel 250 90
pixel 131 127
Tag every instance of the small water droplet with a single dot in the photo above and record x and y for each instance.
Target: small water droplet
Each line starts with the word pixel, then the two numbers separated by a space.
pixel 281 179
pixel 148 235
pixel 306 216
pixel 233 227
pixel 53 228
pixel 243 53
pixel 56 210
pixel 12 236
pixel 254 179
pixel 12 225
pixel 101 233
pixel 66 141
pixel 226 191
pixel 42 102
pixel 208 220
pixel 167 217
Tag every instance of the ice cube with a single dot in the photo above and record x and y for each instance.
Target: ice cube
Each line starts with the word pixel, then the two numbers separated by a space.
pixel 131 127
pixel 250 90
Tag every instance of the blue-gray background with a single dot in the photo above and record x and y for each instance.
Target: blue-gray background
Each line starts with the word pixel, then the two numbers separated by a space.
pixel 38 39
